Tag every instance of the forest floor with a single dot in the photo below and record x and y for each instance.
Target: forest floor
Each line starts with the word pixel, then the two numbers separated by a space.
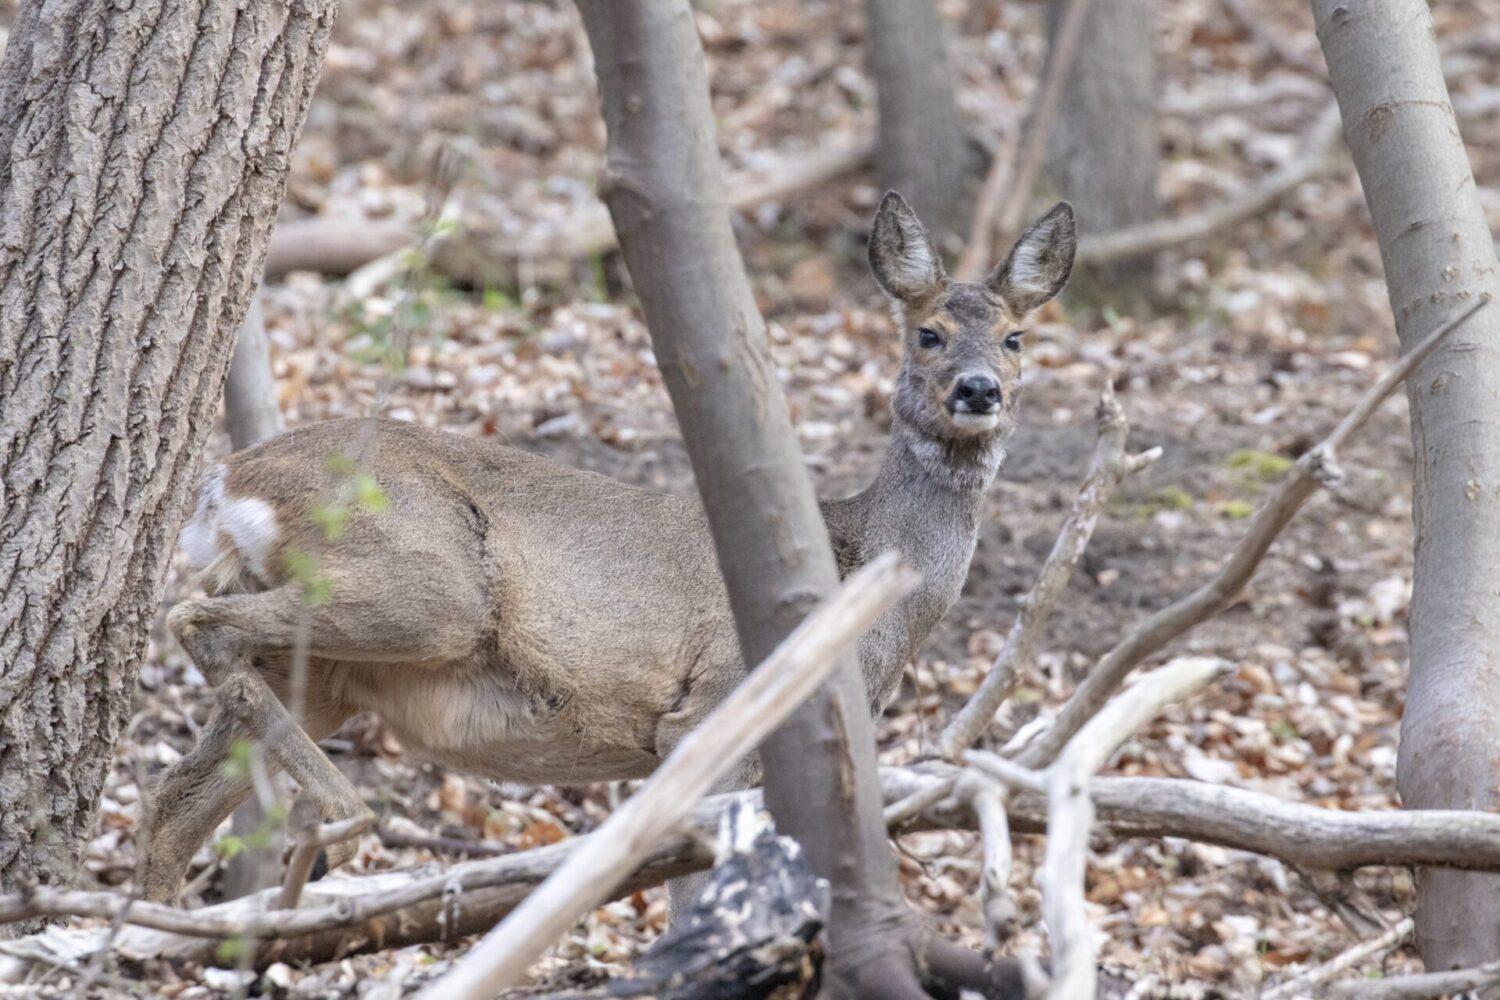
pixel 1234 354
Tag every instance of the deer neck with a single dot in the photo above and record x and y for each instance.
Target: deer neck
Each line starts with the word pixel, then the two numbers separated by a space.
pixel 925 502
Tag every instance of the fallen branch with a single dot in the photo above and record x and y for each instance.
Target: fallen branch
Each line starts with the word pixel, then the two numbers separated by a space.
pixel 1320 146
pixel 1423 986
pixel 340 915
pixel 986 801
pixel 1014 172
pixel 312 838
pixel 767 695
pixel 1109 466
pixel 1317 466
pixel 332 245
pixel 1303 983
pixel 1070 813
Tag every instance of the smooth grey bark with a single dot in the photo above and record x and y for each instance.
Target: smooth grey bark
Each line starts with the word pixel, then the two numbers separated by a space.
pixel 921 147
pixel 666 196
pixel 143 151
pixel 1438 255
pixel 252 412
pixel 1105 148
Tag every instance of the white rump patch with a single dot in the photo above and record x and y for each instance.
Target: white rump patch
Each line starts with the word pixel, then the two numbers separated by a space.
pixel 198 534
pixel 249 523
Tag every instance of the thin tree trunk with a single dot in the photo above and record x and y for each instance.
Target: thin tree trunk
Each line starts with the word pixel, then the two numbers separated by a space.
pixel 666 196
pixel 252 412
pixel 143 151
pixel 1438 255
pixel 1105 148
pixel 921 147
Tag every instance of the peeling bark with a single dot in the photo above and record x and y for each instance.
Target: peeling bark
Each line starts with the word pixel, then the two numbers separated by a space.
pixel 1439 255
pixel 146 147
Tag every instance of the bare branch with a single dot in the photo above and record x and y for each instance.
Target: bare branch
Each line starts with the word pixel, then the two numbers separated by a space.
pixel 1070 813
pixel 1110 465
pixel 767 696
pixel 1320 146
pixel 1303 983
pixel 312 837
pixel 1315 467
pixel 1014 172
pixel 1424 986
pixel 987 802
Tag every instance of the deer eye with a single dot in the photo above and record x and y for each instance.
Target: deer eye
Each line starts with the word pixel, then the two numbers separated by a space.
pixel 1013 340
pixel 929 338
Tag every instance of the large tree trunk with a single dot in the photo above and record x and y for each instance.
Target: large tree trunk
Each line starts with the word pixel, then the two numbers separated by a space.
pixel 1104 148
pixel 1438 254
pixel 921 148
pixel 143 151
pixel 666 196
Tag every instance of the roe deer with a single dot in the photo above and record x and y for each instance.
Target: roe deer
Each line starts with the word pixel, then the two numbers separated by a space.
pixel 525 621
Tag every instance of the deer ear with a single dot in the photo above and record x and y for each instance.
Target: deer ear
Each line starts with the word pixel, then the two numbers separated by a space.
pixel 906 264
pixel 1039 263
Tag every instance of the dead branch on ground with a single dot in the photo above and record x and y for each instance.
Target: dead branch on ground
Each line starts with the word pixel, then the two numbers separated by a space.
pixel 1320 147
pixel 1070 813
pixel 1317 466
pixel 1423 986
pixel 1304 982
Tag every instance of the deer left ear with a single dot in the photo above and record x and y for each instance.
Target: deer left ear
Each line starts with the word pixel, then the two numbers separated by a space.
pixel 1039 264
pixel 906 264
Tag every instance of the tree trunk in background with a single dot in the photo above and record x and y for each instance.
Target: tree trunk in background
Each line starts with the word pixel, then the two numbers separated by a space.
pixel 666 196
pixel 252 411
pixel 921 148
pixel 143 152
pixel 1104 148
pixel 1438 255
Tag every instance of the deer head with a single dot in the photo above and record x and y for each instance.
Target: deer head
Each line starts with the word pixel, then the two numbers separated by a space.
pixel 961 373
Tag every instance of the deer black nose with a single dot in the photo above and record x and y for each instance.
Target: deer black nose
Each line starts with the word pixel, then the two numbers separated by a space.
pixel 977 393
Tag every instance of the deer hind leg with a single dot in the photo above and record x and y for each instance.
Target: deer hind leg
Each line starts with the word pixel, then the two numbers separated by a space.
pixel 223 635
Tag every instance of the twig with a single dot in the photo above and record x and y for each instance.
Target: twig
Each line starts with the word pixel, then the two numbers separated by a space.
pixel 768 694
pixel 1110 465
pixel 391 837
pixel 918 802
pixel 1423 986
pixel 987 801
pixel 1070 813
pixel 1014 172
pixel 1303 983
pixel 1315 467
pixel 1320 145
pixel 1353 905
pixel 312 837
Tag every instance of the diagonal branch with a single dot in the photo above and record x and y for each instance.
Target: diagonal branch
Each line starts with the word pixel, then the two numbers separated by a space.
pixel 1314 468
pixel 1109 466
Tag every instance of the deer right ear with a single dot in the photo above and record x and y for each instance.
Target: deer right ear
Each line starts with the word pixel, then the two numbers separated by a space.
pixel 906 264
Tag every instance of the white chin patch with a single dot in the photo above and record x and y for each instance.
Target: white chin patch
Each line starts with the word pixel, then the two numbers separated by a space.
pixel 974 423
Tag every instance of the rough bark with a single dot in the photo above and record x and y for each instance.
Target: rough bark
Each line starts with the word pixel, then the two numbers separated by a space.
pixel 1105 148
pixel 666 196
pixel 143 151
pixel 1438 255
pixel 921 147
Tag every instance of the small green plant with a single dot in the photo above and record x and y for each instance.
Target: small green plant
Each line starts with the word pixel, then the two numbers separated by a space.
pixel 1236 510
pixel 1262 465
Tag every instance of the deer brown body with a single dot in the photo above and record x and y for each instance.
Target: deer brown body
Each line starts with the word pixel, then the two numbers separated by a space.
pixel 512 617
